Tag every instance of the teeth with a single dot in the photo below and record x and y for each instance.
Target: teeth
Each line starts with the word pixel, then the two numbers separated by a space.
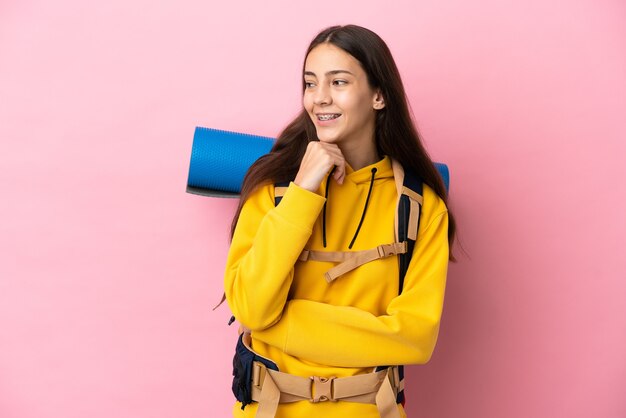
pixel 328 117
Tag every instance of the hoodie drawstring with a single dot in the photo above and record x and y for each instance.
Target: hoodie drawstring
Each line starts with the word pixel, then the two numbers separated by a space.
pixel 324 213
pixel 369 193
pixel 356 233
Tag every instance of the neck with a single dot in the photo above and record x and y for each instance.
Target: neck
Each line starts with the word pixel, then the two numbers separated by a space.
pixel 360 156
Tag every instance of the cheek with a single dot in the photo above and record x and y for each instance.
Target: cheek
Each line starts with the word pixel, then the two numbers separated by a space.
pixel 353 107
pixel 307 102
pixel 349 101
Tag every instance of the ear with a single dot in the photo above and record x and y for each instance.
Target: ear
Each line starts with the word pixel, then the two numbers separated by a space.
pixel 379 102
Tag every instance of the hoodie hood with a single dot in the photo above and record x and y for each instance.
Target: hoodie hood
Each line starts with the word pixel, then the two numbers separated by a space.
pixel 364 175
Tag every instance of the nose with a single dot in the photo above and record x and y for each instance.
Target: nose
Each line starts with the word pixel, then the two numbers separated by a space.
pixel 322 95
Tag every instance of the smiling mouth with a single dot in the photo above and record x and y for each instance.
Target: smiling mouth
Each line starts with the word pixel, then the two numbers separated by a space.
pixel 328 116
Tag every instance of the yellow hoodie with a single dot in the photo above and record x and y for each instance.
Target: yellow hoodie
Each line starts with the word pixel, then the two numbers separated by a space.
pixel 310 327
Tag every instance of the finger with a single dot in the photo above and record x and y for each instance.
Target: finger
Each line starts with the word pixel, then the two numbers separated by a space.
pixel 338 178
pixel 340 172
pixel 333 157
pixel 338 160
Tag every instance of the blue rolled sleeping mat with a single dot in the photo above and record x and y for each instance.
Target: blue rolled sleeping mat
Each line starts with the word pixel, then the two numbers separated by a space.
pixel 220 160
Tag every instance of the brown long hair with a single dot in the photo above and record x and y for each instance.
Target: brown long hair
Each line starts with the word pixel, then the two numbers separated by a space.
pixel 396 135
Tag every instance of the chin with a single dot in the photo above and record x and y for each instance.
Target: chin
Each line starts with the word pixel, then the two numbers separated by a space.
pixel 325 137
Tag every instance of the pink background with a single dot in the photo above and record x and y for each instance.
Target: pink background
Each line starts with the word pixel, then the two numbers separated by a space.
pixel 109 270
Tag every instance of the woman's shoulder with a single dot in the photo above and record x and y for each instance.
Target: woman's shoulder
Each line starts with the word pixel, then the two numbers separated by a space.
pixel 263 192
pixel 260 200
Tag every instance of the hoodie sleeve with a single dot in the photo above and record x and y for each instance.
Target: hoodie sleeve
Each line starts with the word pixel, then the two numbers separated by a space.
pixel 350 337
pixel 266 244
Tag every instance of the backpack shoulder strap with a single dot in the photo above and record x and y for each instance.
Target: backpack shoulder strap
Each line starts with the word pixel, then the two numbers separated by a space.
pixel 279 191
pixel 410 202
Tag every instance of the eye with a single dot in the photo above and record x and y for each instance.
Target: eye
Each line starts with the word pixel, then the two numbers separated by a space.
pixel 308 84
pixel 339 82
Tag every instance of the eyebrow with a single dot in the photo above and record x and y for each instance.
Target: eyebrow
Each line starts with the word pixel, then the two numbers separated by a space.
pixel 333 72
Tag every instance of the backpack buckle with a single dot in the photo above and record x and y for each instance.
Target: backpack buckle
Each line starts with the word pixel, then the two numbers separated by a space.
pixel 387 250
pixel 258 374
pixel 322 389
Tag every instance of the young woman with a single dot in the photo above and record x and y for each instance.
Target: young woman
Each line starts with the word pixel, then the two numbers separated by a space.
pixel 307 328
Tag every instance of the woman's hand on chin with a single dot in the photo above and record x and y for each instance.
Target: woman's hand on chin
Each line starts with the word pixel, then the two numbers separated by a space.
pixel 318 160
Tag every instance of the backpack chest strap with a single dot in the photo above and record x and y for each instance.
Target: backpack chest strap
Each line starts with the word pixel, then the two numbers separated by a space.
pixel 350 260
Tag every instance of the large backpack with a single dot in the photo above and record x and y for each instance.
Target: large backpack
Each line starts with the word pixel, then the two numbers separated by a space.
pixel 409 205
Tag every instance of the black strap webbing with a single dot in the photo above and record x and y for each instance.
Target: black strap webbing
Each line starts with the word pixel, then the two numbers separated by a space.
pixel 411 182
